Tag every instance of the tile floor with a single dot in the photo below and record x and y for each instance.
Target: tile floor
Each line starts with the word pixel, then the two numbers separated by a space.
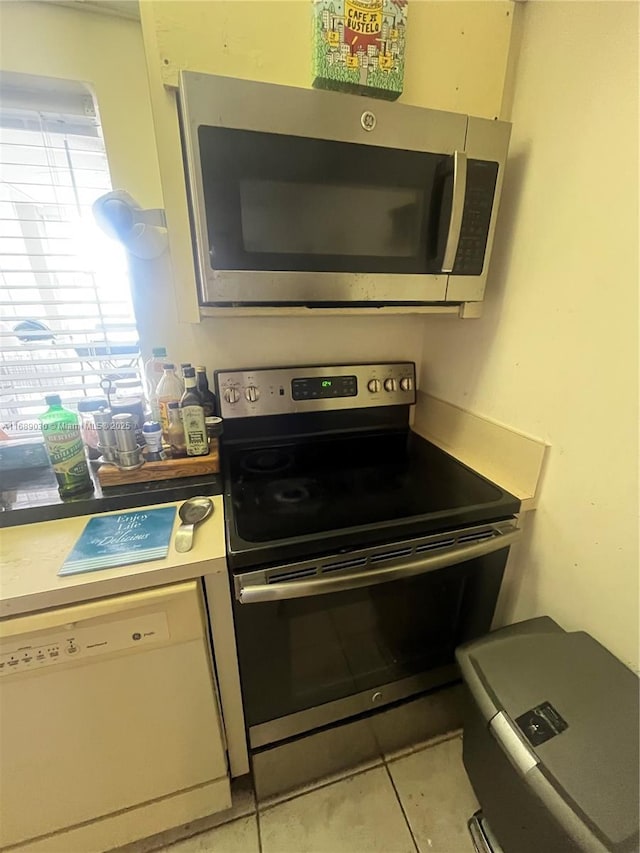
pixel 416 801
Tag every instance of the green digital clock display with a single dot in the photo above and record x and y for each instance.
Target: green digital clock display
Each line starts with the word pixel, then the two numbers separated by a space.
pixel 323 387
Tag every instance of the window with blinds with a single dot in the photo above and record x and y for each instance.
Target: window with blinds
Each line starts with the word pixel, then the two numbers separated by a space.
pixel 66 317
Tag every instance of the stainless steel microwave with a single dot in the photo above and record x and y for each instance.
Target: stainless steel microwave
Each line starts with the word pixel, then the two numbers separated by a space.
pixel 306 197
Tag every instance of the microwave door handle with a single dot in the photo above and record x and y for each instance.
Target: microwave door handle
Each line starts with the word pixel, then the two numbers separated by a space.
pixel 256 593
pixel 457 209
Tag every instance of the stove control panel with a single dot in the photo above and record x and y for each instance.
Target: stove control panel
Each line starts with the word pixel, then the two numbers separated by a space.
pixel 288 390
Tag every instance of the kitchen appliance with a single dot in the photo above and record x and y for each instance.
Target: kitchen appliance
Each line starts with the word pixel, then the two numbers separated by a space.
pixel 305 197
pixel 360 554
pixel 96 732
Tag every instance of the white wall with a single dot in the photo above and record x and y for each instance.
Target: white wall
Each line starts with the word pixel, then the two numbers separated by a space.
pixel 556 354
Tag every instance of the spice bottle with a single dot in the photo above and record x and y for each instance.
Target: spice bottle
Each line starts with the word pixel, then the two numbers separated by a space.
pixel 169 390
pixel 175 437
pixel 195 431
pixel 152 433
pixel 61 433
pixel 209 402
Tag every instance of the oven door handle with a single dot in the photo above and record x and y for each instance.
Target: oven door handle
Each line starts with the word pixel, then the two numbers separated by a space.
pixel 320 585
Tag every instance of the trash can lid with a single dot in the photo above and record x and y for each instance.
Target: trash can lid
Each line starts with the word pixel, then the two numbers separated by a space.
pixel 577 706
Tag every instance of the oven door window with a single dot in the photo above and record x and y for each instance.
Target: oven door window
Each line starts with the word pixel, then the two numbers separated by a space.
pixel 280 203
pixel 299 653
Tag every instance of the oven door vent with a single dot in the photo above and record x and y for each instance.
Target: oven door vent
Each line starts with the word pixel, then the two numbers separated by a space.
pixel 398 554
pixel 294 575
pixel 478 536
pixel 434 546
pixel 344 564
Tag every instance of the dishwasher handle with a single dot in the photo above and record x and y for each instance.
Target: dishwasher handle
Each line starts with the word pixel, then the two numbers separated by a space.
pixel 321 585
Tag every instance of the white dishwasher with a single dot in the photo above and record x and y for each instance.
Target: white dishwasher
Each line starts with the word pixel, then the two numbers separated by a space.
pixel 109 722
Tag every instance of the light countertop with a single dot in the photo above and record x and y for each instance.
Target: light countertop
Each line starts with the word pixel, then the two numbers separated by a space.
pixel 30 556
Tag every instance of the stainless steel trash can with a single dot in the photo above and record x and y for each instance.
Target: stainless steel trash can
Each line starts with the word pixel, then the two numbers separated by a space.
pixel 551 741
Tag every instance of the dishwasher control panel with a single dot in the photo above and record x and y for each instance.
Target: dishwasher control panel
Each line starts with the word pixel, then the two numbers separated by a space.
pixel 75 641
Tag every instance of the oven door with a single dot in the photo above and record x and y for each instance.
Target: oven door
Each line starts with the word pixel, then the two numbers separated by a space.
pixel 310 656
pixel 302 197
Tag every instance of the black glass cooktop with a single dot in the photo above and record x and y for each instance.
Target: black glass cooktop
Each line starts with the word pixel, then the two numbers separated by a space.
pixel 300 498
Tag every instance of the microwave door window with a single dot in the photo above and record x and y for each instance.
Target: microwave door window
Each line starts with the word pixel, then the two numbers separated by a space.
pixel 289 218
pixel 280 203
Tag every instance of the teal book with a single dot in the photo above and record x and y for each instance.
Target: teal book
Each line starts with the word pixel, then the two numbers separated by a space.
pixel 120 540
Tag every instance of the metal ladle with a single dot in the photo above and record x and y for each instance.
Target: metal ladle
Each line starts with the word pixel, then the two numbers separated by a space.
pixel 192 512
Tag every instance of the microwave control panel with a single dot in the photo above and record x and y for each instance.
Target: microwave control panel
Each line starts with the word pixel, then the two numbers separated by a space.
pixel 482 177
pixel 289 390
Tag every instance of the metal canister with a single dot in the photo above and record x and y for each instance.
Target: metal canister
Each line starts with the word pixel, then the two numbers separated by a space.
pixel 130 459
pixel 128 451
pixel 135 407
pixel 106 435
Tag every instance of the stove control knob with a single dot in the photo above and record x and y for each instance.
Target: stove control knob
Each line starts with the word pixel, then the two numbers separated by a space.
pixel 406 383
pixel 374 385
pixel 251 393
pixel 390 385
pixel 231 395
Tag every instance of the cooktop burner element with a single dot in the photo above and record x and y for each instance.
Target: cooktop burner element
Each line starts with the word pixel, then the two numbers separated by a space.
pixel 269 461
pixel 290 493
pixel 293 495
pixel 304 477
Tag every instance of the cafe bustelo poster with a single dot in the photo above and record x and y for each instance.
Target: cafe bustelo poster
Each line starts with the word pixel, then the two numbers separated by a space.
pixel 359 46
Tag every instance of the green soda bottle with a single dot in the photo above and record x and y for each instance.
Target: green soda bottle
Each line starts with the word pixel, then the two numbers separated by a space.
pixel 61 433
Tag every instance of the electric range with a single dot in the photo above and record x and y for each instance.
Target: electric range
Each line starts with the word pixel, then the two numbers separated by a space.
pixel 360 554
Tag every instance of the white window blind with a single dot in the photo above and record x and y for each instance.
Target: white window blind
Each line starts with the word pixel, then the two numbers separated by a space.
pixel 66 318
